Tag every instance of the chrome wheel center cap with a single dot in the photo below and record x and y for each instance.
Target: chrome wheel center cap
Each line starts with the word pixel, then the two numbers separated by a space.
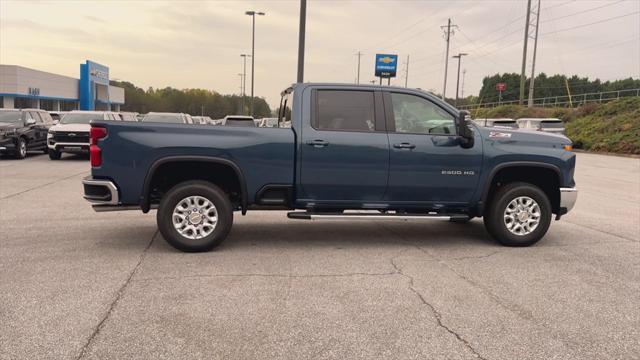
pixel 195 218
pixel 523 216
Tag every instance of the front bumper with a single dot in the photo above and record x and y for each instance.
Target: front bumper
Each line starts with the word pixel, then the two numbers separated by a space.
pixel 7 145
pixel 68 147
pixel 568 197
pixel 100 192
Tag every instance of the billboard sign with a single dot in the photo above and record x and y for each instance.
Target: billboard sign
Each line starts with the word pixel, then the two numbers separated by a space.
pixel 386 65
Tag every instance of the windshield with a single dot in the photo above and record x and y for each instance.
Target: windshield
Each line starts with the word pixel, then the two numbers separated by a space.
pixel 163 118
pixel 10 116
pixel 80 118
pixel 245 123
pixel 552 124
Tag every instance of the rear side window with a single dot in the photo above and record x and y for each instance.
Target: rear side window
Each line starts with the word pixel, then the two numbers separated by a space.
pixel 345 110
pixel 552 124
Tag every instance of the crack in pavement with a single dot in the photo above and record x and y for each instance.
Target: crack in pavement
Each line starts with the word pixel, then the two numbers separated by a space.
pixel 602 232
pixel 435 312
pixel 285 276
pixel 43 185
pixel 118 296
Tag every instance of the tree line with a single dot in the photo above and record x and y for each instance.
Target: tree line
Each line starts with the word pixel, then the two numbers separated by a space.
pixel 190 101
pixel 546 86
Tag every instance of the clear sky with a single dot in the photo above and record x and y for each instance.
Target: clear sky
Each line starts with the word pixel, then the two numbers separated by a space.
pixel 196 44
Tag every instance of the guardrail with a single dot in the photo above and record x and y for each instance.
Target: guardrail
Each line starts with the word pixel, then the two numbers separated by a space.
pixel 563 101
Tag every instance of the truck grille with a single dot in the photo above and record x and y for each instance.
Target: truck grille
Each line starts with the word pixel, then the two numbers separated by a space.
pixel 71 137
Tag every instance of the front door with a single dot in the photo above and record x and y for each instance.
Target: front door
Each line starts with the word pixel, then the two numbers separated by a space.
pixel 344 149
pixel 427 164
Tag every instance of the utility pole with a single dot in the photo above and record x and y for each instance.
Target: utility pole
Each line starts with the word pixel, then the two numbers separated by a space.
pixel 535 50
pixel 447 36
pixel 359 54
pixel 459 57
pixel 253 49
pixel 301 33
pixel 244 81
pixel 406 75
pixel 523 76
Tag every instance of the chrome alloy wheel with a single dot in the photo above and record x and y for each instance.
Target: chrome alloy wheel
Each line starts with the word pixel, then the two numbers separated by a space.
pixel 522 215
pixel 23 148
pixel 195 217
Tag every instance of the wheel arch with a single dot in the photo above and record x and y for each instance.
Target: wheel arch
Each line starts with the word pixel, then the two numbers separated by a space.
pixel 145 201
pixel 510 166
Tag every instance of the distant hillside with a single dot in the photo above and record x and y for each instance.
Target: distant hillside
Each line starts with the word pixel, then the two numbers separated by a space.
pixel 611 127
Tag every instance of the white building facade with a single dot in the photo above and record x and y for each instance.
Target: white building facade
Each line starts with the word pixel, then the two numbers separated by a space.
pixel 21 87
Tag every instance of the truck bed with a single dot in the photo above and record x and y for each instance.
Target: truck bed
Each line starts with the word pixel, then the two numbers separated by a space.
pixel 265 155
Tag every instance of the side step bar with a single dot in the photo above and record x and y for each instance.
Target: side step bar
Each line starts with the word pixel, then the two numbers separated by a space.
pixel 304 215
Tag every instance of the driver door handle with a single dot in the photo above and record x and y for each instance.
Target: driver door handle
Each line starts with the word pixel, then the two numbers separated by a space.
pixel 318 143
pixel 404 145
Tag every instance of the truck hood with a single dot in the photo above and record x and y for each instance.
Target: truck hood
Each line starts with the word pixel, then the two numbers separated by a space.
pixel 9 126
pixel 515 136
pixel 71 127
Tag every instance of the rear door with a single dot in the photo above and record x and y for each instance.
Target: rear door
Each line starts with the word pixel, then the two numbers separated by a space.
pixel 344 148
pixel 427 164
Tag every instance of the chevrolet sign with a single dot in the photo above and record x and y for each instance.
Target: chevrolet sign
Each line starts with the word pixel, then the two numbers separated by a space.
pixel 386 65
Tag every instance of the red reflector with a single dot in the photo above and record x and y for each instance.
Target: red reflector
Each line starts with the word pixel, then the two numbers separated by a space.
pixel 96 134
pixel 95 155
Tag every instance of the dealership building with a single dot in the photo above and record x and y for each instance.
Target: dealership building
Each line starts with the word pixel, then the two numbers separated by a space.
pixel 21 87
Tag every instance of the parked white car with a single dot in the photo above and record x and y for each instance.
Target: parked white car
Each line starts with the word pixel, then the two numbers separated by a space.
pixel 203 120
pixel 167 117
pixel 499 122
pixel 71 134
pixel 550 125
pixel 238 120
pixel 269 122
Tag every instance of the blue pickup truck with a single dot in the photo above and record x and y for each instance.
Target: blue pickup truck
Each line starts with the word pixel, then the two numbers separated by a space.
pixel 340 152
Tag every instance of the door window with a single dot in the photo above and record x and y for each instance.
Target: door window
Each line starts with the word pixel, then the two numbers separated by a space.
pixel 36 117
pixel 416 115
pixel 341 110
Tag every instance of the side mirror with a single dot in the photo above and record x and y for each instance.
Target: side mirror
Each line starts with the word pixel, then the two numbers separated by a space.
pixel 56 122
pixel 29 122
pixel 465 133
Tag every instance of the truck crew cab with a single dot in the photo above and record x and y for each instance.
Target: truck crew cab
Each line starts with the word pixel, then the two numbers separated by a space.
pixel 350 152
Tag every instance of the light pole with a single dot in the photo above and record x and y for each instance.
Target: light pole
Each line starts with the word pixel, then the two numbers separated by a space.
pixel 459 57
pixel 242 91
pixel 253 48
pixel 244 80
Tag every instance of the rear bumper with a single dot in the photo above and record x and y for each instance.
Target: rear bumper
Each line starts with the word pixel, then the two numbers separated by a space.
pixel 100 192
pixel 568 197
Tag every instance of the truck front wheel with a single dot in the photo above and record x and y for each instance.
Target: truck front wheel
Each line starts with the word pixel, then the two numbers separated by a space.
pixel 195 216
pixel 518 215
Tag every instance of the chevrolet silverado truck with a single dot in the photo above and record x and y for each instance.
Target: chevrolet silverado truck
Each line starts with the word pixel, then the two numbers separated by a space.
pixel 350 152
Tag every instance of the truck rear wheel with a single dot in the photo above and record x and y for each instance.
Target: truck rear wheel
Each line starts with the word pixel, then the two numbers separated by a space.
pixel 195 216
pixel 518 215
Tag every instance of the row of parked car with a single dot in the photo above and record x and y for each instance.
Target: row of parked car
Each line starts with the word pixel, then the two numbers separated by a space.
pixel 550 125
pixel 54 132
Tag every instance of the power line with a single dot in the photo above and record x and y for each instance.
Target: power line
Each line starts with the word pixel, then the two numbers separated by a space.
pixel 583 11
pixel 591 23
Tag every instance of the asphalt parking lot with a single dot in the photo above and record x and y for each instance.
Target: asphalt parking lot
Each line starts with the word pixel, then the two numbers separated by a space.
pixel 79 284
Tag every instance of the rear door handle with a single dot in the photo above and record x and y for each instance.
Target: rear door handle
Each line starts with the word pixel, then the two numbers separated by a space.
pixel 404 145
pixel 318 143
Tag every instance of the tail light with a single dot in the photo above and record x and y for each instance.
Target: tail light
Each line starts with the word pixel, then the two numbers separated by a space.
pixel 95 153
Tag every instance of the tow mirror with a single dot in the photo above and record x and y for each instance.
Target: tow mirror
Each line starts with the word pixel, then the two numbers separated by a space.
pixel 464 131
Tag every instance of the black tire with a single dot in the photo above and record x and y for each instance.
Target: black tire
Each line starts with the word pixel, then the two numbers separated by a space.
pixel 54 155
pixel 195 188
pixel 21 148
pixel 494 216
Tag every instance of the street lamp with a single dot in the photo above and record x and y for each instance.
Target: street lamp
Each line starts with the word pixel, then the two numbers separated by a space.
pixel 244 81
pixel 459 57
pixel 253 48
